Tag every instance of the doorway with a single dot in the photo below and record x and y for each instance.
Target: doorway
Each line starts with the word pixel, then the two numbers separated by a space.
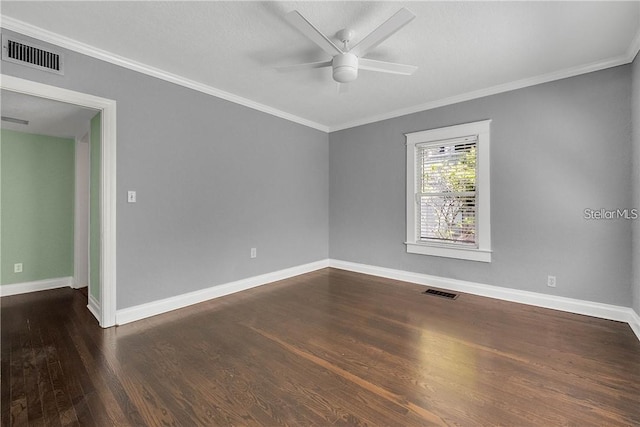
pixel 105 310
pixel 46 195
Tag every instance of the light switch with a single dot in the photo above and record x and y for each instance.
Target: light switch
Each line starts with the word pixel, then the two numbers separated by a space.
pixel 131 196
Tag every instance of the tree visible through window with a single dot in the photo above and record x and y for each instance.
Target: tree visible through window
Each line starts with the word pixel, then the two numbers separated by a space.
pixel 447 191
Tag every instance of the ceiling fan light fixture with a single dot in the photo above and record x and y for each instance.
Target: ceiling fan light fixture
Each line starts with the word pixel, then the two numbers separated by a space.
pixel 346 60
pixel 345 67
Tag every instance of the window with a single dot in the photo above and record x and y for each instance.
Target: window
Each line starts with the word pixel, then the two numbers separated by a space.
pixel 448 194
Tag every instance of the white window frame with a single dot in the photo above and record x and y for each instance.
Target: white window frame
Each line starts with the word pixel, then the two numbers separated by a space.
pixel 482 252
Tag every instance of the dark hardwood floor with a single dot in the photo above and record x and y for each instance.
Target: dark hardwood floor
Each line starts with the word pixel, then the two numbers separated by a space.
pixel 326 348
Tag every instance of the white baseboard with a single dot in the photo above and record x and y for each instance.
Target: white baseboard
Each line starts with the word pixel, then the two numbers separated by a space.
pixel 153 308
pixel 605 311
pixel 94 307
pixel 589 308
pixel 635 323
pixel 38 285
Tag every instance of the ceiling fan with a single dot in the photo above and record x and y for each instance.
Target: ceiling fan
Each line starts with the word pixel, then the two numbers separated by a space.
pixel 347 61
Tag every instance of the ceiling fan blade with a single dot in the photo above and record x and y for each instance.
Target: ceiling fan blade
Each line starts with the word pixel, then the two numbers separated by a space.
pixel 383 32
pixel 306 66
pixel 305 27
pixel 386 67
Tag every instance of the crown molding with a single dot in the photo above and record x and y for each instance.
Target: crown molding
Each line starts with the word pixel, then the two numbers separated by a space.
pixel 627 58
pixel 494 90
pixel 634 47
pixel 85 49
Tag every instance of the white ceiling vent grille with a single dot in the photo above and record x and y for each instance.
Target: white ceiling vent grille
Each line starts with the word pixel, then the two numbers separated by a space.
pixel 26 53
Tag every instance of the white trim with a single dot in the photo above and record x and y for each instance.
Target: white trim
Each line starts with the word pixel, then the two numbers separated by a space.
pixel 38 285
pixel 85 49
pixel 154 308
pixel 108 216
pixel 94 307
pixel 78 234
pixel 469 254
pixel 634 322
pixel 76 216
pixel 481 253
pixel 571 305
pixel 634 47
pixel 493 90
pixel 107 176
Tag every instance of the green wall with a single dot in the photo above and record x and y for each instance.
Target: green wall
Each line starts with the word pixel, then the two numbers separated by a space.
pixel 37 206
pixel 94 207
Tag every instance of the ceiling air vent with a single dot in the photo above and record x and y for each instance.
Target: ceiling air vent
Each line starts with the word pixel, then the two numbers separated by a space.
pixel 26 53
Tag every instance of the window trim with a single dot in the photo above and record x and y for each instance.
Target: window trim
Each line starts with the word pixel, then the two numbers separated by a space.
pixel 482 252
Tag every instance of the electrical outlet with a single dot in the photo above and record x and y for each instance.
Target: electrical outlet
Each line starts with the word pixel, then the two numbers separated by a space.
pixel 551 281
pixel 254 252
pixel 17 267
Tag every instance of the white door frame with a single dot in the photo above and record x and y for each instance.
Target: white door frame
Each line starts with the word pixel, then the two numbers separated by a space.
pixel 81 238
pixel 107 315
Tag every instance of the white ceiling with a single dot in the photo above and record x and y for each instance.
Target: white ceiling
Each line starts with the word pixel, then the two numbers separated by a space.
pixel 45 116
pixel 462 49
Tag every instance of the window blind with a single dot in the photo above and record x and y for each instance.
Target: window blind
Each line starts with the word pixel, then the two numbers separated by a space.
pixel 446 190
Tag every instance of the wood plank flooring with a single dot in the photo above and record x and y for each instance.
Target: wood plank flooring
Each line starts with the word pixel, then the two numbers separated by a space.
pixel 326 348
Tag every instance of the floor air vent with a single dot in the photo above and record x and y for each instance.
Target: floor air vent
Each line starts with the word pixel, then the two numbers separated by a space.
pixel 441 294
pixel 26 53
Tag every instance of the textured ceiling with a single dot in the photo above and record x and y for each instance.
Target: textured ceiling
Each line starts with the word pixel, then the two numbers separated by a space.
pixel 45 117
pixel 459 47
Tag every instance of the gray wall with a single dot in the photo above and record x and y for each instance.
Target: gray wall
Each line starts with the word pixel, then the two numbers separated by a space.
pixel 556 149
pixel 636 181
pixel 213 179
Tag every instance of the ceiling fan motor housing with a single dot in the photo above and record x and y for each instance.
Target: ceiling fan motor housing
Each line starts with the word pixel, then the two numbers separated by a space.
pixel 345 67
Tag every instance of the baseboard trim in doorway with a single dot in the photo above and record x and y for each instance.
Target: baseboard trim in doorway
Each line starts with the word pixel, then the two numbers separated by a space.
pixel 635 323
pixel 38 285
pixel 571 305
pixel 154 308
pixel 94 307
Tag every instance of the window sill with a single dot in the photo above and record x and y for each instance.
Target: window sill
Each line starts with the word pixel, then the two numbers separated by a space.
pixel 470 254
